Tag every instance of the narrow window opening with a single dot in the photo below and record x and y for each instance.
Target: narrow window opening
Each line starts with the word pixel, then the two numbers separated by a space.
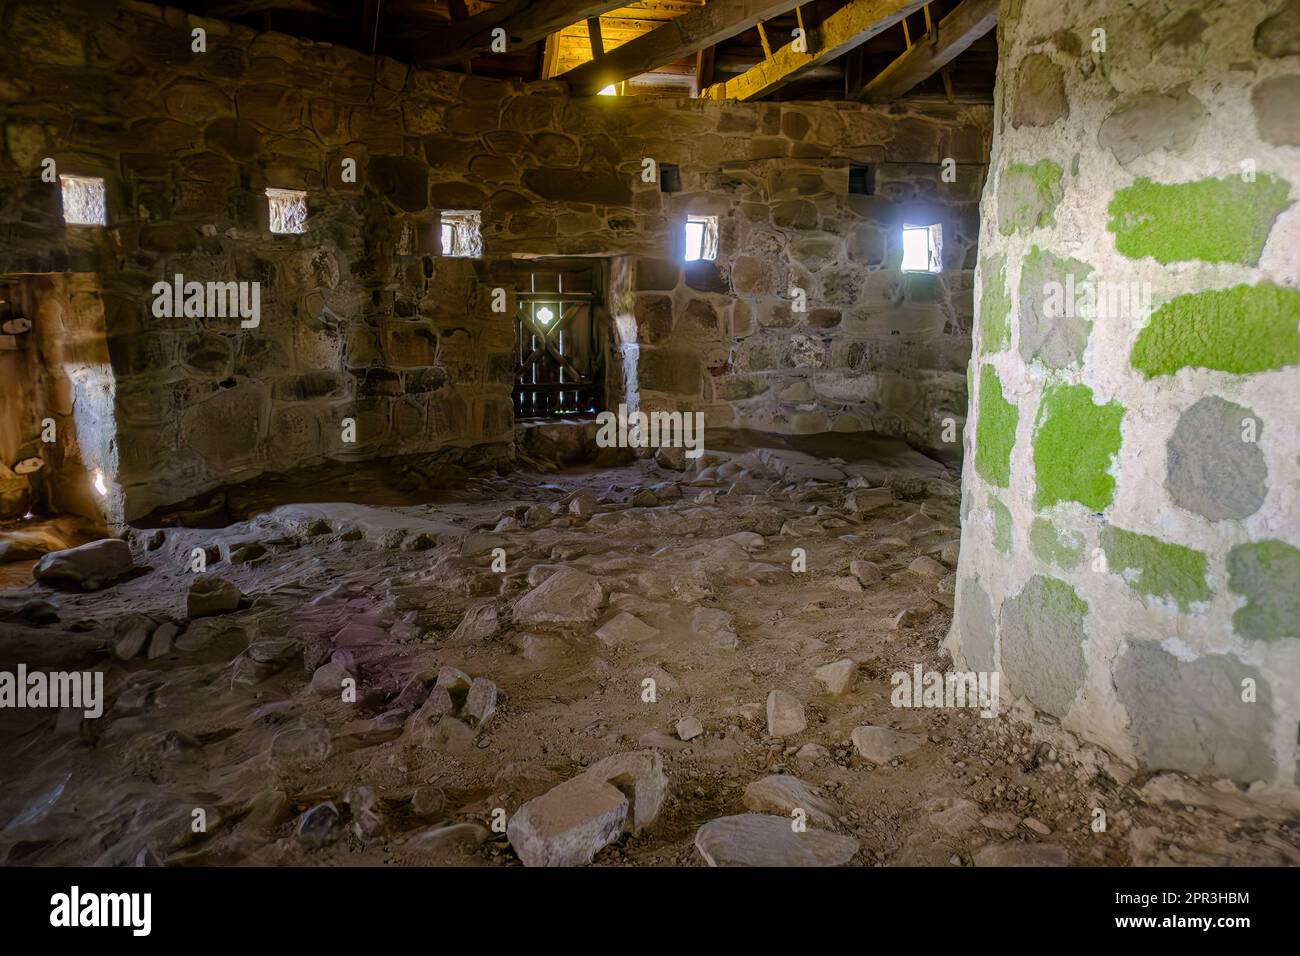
pixel 85 201
pixel 670 178
pixel 701 237
pixel 288 208
pixel 862 180
pixel 922 248
pixel 460 233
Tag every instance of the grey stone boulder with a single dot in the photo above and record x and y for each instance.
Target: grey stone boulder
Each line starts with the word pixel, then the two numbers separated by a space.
pixel 567 597
pixel 639 775
pixel 756 839
pixel 781 793
pixel 90 566
pixel 480 702
pixel 210 594
pixel 838 675
pixel 478 624
pixel 785 715
pixel 569 824
pixel 672 459
pixel 624 628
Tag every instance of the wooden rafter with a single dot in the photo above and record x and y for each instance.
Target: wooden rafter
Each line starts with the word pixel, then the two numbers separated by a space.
pixel 704 61
pixel 839 33
pixel 525 23
pixel 704 26
pixel 593 33
pixel 550 56
pixel 957 31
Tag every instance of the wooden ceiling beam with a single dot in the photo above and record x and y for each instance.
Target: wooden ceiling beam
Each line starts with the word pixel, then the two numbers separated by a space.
pixel 839 33
pixel 704 64
pixel 593 34
pixel 702 27
pixel 970 20
pixel 525 23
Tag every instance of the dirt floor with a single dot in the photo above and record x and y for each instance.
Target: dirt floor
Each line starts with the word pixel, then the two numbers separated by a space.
pixel 240 714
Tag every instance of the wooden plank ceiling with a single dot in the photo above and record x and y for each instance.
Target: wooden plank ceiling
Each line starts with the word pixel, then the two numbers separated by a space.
pixel 871 50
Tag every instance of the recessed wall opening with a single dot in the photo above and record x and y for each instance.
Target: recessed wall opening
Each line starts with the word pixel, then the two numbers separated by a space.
pixel 701 238
pixel 288 210
pixel 862 180
pixel 460 233
pixel 85 200
pixel 923 248
pixel 560 366
pixel 58 451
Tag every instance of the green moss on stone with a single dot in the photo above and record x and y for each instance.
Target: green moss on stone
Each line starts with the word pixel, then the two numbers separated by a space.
pixel 1163 569
pixel 995 305
pixel 1054 545
pixel 1002 525
pixel 995 430
pixel 1213 220
pixel 1028 196
pixel 1267 573
pixel 1239 330
pixel 1074 443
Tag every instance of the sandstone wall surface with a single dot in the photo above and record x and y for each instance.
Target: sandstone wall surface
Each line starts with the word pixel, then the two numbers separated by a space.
pixel 364 318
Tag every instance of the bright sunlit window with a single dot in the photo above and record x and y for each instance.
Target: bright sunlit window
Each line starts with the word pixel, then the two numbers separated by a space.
pixel 288 211
pixel 922 248
pixel 84 202
pixel 461 236
pixel 610 90
pixel 701 237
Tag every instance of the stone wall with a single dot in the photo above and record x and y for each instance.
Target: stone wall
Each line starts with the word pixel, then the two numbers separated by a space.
pixel 364 319
pixel 1131 539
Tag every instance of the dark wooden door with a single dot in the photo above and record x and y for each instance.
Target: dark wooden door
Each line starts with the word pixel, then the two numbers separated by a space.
pixel 559 358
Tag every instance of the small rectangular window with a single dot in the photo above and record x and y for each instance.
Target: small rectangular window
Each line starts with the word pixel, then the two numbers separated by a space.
pixel 460 233
pixel 922 248
pixel 862 180
pixel 670 178
pixel 288 209
pixel 701 237
pixel 85 202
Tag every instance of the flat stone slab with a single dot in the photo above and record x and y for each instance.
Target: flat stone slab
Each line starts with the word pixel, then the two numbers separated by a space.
pixel 567 597
pixel 92 566
pixel 756 839
pixel 569 824
pixel 881 745
pixel 625 628
pixel 782 793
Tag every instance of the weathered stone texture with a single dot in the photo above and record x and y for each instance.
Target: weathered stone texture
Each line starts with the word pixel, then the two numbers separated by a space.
pixel 551 176
pixel 1135 567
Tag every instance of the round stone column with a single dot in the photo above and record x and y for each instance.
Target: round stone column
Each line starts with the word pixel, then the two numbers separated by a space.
pixel 1130 557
